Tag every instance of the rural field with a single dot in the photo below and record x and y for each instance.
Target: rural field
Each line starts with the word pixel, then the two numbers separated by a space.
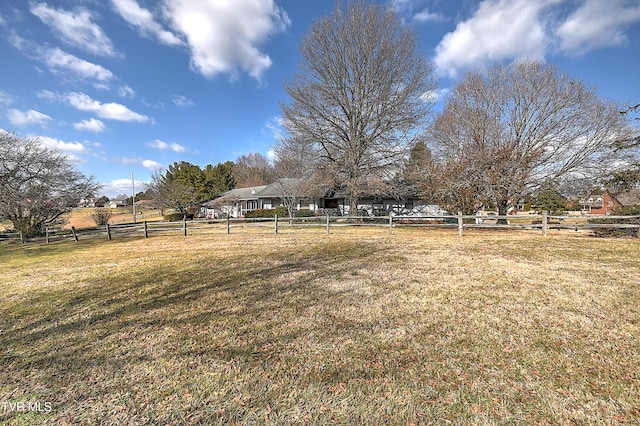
pixel 419 326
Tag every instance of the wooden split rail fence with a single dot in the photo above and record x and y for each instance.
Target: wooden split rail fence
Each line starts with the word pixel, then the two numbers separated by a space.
pixel 542 223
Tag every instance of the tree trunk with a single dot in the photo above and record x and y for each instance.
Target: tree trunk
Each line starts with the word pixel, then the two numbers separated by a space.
pixel 353 205
pixel 502 211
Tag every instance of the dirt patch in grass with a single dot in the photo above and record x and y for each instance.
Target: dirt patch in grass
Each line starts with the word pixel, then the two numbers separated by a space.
pixel 360 326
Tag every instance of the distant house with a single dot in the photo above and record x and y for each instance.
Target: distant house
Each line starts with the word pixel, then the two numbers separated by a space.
pixel 237 202
pixel 119 201
pixel 87 202
pixel 600 203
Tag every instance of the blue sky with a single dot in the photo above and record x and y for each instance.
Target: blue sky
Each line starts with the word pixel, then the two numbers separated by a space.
pixel 130 86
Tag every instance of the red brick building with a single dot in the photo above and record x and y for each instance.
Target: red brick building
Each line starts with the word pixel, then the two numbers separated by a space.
pixel 604 204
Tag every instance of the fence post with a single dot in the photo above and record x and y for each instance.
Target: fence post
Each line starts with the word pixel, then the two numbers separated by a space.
pixel 228 225
pixel 328 226
pixel 108 232
pixel 276 224
pixel 46 235
pixel 21 238
pixel 390 221
pixel 460 224
pixel 184 225
pixel 545 223
pixel 73 231
pixel 146 230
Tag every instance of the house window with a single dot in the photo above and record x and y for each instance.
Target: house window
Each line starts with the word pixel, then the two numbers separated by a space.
pixel 331 203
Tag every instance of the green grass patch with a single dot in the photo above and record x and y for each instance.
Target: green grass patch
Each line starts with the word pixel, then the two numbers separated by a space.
pixel 358 327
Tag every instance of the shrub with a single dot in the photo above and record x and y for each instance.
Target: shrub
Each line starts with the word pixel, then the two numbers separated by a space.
pixel 101 216
pixel 281 211
pixel 304 213
pixel 176 217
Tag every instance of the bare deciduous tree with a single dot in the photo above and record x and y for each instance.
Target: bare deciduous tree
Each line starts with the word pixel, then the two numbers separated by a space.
pixel 225 204
pixel 504 134
pixel 361 96
pixel 38 185
pixel 296 172
pixel 634 141
pixel 252 169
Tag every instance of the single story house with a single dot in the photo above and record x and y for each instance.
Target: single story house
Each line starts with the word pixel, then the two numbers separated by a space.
pixel 119 201
pixel 237 202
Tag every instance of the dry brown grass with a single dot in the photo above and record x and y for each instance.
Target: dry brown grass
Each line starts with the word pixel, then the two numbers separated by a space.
pixel 81 217
pixel 361 326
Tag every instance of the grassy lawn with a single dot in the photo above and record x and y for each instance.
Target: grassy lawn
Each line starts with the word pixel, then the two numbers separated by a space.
pixel 359 327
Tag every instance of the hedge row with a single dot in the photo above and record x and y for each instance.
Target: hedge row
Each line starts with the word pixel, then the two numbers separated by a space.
pixel 281 211
pixel 619 232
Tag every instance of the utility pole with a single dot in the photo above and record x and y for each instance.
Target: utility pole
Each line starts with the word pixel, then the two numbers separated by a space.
pixel 133 197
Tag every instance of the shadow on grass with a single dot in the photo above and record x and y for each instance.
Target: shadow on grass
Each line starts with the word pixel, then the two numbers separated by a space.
pixel 103 326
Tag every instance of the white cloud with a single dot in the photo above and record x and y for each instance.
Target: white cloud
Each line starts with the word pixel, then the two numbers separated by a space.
pixel 83 102
pixel 70 149
pixel 122 186
pixel 158 144
pixel 126 92
pixel 111 110
pixel 75 28
pixel 224 35
pixel 26 118
pixel 411 10
pixel 147 164
pixel 597 24
pixel 151 165
pixel 128 160
pixel 59 145
pixel 143 19
pixel 47 94
pixel 182 101
pixel 5 98
pixel 63 63
pixel 498 30
pixel 92 125
pixel 57 59
pixel 426 16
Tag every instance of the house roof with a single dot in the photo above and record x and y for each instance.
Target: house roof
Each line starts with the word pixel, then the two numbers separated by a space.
pixel 593 200
pixel 629 198
pixel 250 193
pixel 275 189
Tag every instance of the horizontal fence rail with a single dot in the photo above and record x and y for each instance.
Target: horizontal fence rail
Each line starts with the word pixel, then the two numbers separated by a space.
pixel 460 222
pixel 10 236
